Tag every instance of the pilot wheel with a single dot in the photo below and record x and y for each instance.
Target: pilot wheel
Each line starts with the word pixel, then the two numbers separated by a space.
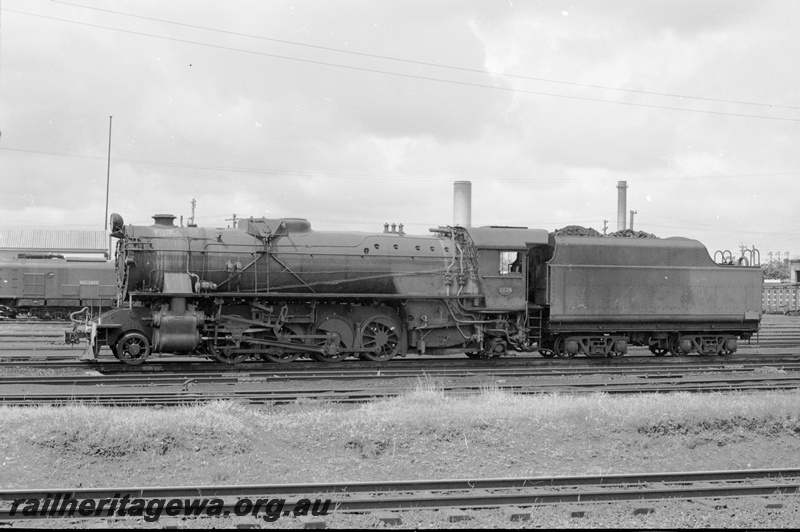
pixel 132 348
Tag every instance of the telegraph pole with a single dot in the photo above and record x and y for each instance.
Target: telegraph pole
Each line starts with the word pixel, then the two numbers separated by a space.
pixel 191 220
pixel 108 170
pixel 232 220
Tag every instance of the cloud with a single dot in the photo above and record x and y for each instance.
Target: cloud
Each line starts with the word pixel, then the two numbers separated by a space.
pixel 339 132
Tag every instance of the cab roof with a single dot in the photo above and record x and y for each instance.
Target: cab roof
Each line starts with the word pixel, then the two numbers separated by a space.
pixel 519 238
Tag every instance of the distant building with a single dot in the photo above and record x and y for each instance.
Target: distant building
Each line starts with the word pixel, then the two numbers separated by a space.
pixel 794 270
pixel 19 240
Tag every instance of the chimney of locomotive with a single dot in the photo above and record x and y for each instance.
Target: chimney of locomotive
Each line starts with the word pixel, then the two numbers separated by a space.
pixel 622 204
pixel 167 220
pixel 462 203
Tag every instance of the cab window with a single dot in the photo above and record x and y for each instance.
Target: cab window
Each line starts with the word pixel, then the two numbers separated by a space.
pixel 510 262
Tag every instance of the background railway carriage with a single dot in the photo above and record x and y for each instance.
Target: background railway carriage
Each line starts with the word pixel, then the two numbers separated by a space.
pixel 277 289
pixel 55 287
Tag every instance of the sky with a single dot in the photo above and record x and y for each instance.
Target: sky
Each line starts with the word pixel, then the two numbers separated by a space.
pixel 353 114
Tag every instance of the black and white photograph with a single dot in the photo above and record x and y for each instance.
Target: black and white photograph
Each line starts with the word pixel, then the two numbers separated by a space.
pixel 410 264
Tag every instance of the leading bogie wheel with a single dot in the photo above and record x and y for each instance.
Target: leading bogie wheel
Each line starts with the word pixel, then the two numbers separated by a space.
pixel 132 348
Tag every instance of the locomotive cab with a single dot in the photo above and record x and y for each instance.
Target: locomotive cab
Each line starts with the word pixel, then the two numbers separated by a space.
pixel 503 263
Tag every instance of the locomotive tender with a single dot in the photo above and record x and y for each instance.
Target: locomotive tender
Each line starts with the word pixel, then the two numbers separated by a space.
pixel 276 289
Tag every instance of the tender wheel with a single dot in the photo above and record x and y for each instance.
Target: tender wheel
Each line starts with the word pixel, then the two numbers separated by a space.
pixel 675 349
pixel 657 351
pixel 132 348
pixel 226 350
pixel 382 337
pixel 547 353
pixel 282 355
pixel 560 348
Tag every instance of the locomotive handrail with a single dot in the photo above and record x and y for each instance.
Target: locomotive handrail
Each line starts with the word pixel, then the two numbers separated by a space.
pixel 306 295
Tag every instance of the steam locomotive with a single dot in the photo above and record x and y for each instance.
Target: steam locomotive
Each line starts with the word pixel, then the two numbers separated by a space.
pixel 277 290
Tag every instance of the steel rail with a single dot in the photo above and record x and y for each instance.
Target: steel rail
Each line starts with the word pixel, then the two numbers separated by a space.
pixel 381 373
pixel 443 494
pixel 306 367
pixel 139 397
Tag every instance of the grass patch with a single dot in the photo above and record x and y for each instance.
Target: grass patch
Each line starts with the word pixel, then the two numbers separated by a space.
pixel 218 427
pixel 421 421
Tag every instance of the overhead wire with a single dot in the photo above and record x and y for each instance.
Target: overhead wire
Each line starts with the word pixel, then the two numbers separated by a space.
pixel 425 63
pixel 493 178
pixel 411 76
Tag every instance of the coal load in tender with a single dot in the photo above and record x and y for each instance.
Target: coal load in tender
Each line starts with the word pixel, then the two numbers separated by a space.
pixel 577 230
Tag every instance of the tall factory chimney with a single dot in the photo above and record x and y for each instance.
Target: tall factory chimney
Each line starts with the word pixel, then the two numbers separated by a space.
pixel 462 203
pixel 622 204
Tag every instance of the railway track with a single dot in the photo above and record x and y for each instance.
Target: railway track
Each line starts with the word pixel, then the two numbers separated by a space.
pixel 177 373
pixel 191 393
pixel 778 331
pixel 441 494
pixel 108 364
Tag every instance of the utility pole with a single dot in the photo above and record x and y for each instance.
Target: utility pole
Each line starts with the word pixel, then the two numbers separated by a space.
pixel 632 213
pixel 232 220
pixel 191 220
pixel 605 226
pixel 108 170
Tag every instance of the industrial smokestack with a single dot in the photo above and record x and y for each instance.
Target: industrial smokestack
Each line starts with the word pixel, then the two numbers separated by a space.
pixel 622 204
pixel 462 203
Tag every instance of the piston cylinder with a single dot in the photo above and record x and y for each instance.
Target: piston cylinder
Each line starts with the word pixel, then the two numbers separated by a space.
pixel 177 334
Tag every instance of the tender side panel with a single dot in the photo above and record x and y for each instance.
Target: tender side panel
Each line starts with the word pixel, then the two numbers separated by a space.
pixel 626 284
